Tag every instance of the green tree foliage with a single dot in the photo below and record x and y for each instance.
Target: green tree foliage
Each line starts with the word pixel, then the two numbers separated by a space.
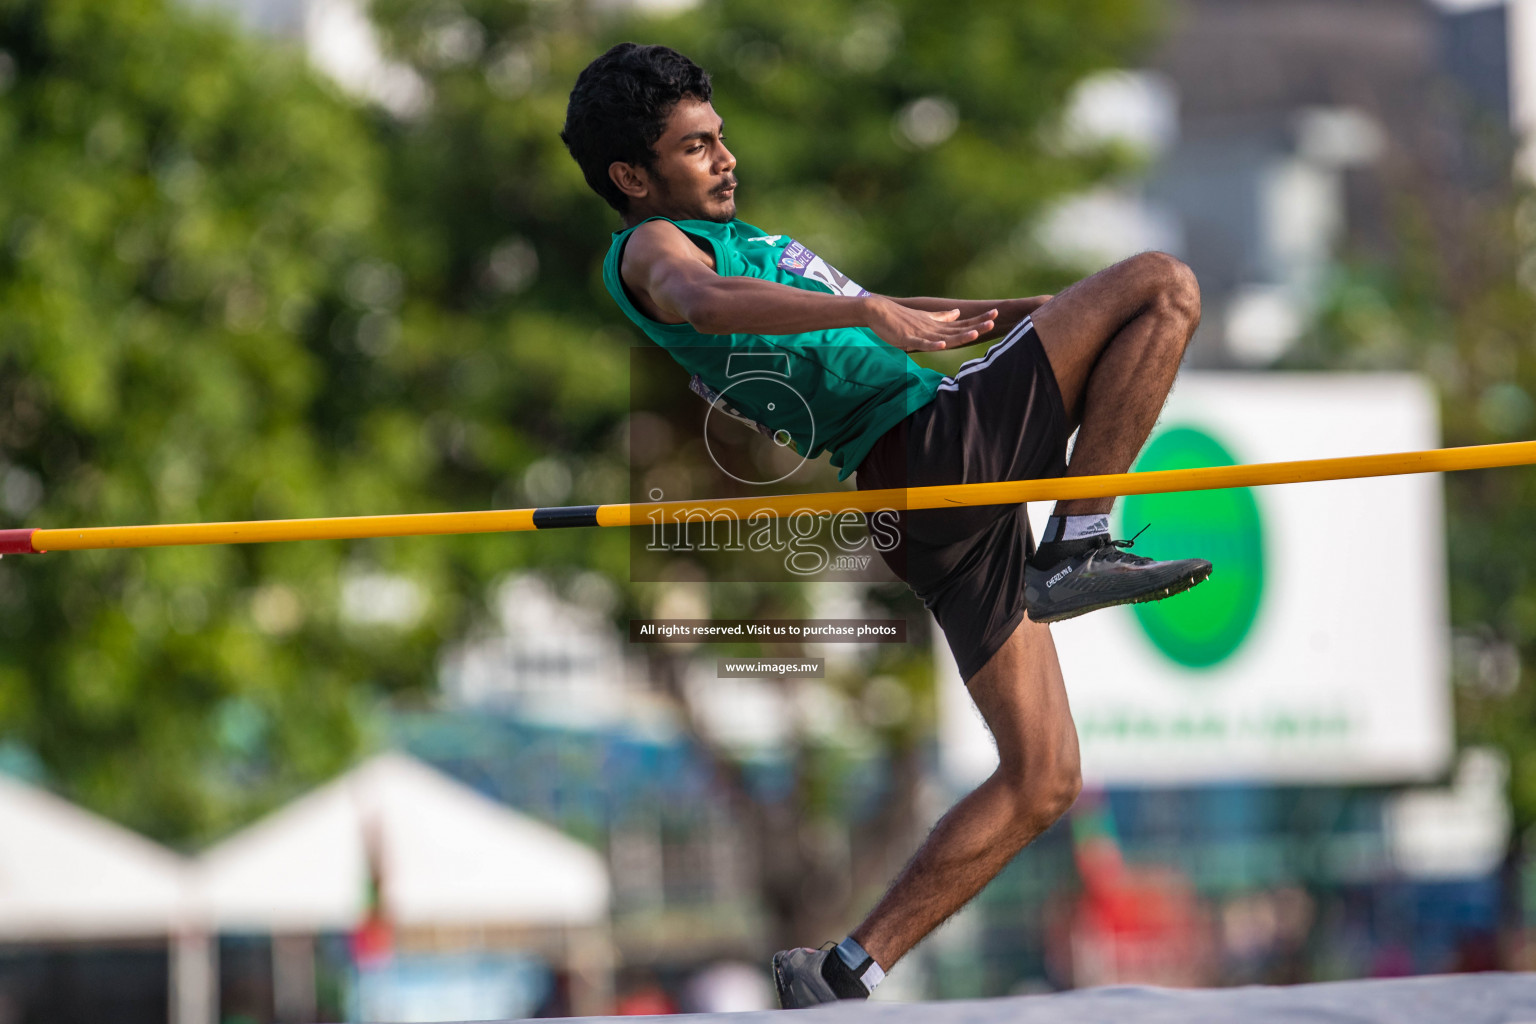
pixel 228 292
pixel 912 142
pixel 185 268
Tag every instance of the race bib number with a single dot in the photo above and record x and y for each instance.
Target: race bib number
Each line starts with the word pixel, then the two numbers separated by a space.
pixel 797 259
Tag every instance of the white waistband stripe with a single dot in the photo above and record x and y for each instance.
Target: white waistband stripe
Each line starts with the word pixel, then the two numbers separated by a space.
pixel 982 362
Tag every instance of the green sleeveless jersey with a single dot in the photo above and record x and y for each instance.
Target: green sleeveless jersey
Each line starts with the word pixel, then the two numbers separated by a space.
pixel 851 386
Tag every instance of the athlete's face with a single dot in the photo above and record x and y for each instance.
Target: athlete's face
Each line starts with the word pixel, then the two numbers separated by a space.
pixel 694 174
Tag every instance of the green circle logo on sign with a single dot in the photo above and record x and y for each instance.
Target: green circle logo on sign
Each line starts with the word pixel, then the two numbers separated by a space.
pixel 1203 627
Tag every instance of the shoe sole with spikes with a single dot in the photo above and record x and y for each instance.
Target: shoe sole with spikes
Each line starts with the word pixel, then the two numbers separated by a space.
pixel 1105 578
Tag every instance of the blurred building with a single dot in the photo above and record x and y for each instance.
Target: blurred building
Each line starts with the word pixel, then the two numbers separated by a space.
pixel 1279 133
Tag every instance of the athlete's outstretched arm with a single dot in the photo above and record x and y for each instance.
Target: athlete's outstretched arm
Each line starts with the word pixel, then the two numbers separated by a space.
pixel 672 281
pixel 1008 312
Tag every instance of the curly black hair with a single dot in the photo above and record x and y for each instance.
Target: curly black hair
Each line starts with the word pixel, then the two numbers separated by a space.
pixel 620 106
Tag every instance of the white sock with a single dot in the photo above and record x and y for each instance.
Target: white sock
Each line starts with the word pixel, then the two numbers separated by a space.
pixel 1075 527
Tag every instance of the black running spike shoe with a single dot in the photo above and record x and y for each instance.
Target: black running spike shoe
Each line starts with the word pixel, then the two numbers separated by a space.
pixel 801 978
pixel 1103 576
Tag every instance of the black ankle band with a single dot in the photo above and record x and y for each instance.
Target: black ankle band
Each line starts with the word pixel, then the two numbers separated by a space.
pixel 840 978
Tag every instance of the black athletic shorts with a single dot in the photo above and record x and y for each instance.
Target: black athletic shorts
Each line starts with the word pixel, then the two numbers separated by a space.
pixel 1000 417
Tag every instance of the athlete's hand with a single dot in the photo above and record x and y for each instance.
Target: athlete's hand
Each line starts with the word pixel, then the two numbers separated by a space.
pixel 914 330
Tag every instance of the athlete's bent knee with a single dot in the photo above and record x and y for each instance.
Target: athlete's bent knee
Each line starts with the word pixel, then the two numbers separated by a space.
pixel 1176 287
pixel 1065 788
pixel 1044 790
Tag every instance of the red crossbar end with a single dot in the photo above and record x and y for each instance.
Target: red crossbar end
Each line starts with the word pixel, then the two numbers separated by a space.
pixel 17 542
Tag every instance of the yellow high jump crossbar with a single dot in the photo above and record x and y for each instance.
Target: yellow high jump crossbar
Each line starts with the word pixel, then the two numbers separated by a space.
pixel 1007 492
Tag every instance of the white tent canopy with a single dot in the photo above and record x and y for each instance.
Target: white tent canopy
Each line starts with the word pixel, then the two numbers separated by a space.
pixel 66 873
pixel 445 856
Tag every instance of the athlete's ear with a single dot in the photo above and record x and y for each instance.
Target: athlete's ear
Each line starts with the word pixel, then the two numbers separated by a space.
pixel 629 179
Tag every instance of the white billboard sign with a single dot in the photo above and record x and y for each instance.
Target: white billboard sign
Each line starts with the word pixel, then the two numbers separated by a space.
pixel 1317 651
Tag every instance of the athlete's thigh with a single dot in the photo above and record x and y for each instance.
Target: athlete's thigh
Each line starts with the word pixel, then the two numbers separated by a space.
pixel 1001 413
pixel 1077 323
pixel 998 418
pixel 1023 699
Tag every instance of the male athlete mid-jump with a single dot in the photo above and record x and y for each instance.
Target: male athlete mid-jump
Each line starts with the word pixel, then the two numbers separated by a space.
pixel 1101 356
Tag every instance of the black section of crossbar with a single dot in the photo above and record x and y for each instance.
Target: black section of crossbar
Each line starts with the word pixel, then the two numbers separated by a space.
pixel 569 515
